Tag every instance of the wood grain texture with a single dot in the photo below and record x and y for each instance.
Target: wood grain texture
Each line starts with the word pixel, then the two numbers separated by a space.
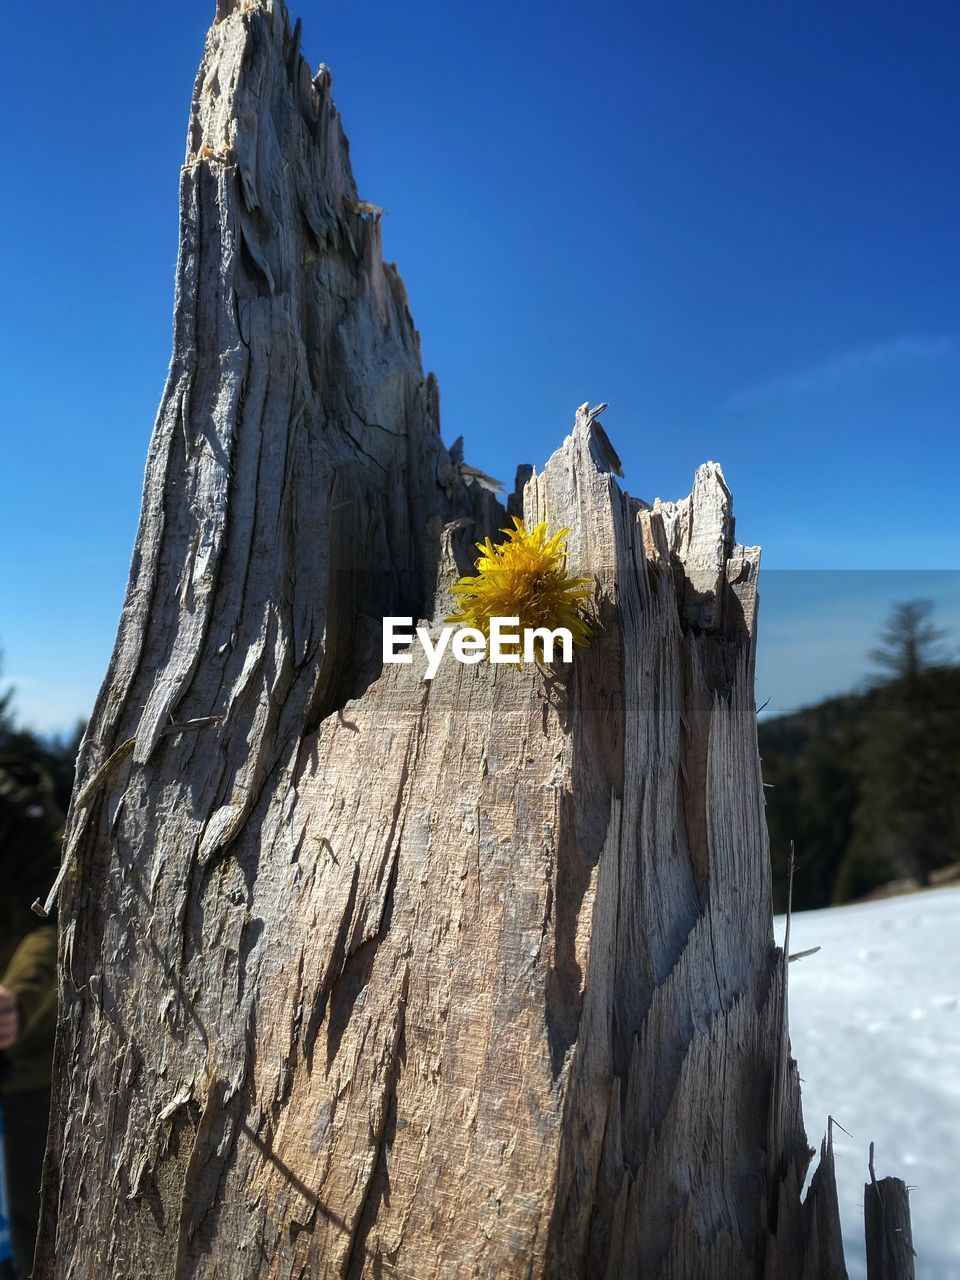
pixel 364 975
pixel 889 1237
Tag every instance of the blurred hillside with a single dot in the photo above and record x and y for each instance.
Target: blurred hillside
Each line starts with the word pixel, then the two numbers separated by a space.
pixel 867 785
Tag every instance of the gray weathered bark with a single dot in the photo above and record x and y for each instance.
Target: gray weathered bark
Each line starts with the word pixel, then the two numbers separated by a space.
pixel 363 975
pixel 886 1224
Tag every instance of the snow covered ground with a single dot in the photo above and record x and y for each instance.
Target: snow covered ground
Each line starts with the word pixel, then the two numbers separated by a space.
pixel 875 1028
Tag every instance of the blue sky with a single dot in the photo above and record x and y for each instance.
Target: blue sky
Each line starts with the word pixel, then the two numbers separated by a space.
pixel 737 224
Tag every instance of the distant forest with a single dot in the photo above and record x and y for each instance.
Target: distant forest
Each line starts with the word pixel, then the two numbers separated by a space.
pixel 867 785
pixel 56 754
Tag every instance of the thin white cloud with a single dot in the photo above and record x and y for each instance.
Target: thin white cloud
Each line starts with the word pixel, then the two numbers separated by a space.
pixel 906 352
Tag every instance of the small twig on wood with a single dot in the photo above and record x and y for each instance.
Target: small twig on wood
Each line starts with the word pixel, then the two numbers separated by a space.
pixel 831 1122
pixel 791 867
pixel 86 796
pixel 799 955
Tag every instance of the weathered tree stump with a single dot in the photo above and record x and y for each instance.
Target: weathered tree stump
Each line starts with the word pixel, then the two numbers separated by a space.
pixel 363 975
pixel 886 1220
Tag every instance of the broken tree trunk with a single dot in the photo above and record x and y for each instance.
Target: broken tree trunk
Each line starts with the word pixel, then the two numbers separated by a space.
pixel 886 1221
pixel 364 975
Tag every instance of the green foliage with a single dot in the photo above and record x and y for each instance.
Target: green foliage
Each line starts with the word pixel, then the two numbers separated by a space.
pixel 862 869
pixel 56 754
pixel 911 774
pixel 810 763
pixel 867 785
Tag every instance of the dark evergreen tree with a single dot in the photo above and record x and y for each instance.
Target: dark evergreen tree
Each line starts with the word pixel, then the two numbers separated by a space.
pixel 868 785
pixel 909 642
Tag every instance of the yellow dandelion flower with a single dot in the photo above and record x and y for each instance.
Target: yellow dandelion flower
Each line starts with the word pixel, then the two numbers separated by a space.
pixel 526 578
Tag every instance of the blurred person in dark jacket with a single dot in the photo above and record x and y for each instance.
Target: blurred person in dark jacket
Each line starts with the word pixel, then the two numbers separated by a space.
pixel 31 829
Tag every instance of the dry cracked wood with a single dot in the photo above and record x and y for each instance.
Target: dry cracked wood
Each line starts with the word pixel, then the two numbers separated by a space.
pixel 889 1237
pixel 364 975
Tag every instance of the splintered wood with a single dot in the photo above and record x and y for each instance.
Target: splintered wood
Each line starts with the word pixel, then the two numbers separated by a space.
pixel 364 975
